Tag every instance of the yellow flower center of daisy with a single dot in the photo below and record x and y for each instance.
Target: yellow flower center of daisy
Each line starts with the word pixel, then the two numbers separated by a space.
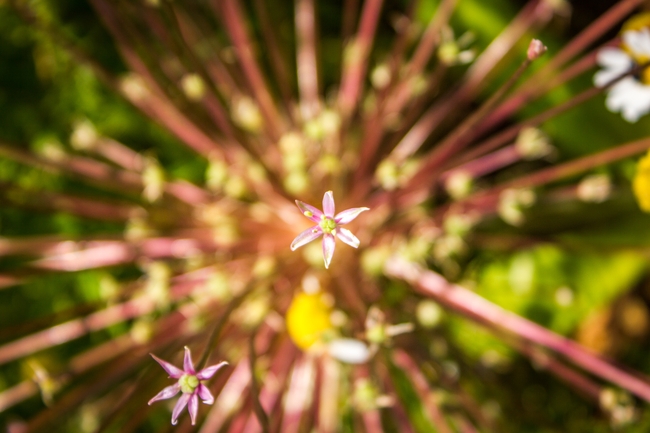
pixel 308 318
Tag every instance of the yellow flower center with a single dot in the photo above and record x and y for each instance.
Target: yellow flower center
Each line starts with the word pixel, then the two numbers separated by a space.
pixel 308 318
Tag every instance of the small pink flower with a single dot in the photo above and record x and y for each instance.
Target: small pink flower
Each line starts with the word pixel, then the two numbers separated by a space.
pixel 189 384
pixel 327 226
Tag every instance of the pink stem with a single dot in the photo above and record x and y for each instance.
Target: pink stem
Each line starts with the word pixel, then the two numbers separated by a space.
pixel 486 164
pixel 423 389
pixel 298 398
pixel 354 67
pixel 234 22
pixel 474 306
pixel 306 58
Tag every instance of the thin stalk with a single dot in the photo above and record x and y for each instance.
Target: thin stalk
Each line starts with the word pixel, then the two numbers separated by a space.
pixel 534 13
pixel 152 100
pixel 474 306
pixel 486 164
pixel 356 55
pixel 398 411
pixel 391 101
pixel 48 201
pixel 233 20
pixel 350 12
pixel 422 388
pixel 271 393
pixel 277 56
pixel 306 58
pixel 219 325
pixel 557 172
pixel 523 97
pixel 230 398
pixel 254 391
pixel 431 38
pixel 592 33
pixel 298 396
pixel 461 135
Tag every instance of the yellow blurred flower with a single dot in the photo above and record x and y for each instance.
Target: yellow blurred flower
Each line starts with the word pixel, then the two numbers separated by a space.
pixel 641 183
pixel 308 318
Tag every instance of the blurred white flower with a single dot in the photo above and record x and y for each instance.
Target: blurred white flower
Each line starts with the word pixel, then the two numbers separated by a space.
pixel 630 95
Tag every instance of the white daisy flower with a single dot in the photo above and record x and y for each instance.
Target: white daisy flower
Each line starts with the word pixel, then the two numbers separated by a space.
pixel 631 95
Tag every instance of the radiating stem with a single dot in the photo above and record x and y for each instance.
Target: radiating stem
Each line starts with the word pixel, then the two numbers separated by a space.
pixel 423 389
pixel 474 306
pixel 356 55
pixel 306 58
pixel 235 25
pixel 255 392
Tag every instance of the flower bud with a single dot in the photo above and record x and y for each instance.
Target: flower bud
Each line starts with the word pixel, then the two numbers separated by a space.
pixel 153 178
pixel 84 136
pixel 193 86
pixel 246 114
pixel 380 76
pixel 595 188
pixel 535 49
pixel 533 144
pixel 459 184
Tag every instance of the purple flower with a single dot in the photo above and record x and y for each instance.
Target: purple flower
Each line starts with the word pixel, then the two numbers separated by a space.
pixel 189 384
pixel 327 226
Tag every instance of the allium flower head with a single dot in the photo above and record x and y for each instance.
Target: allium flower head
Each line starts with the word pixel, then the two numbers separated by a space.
pixel 328 226
pixel 630 95
pixel 189 383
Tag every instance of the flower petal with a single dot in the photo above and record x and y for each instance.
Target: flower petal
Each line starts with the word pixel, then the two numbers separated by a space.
pixel 328 204
pixel 204 394
pixel 347 237
pixel 348 215
pixel 172 370
pixel 188 366
pixel 166 393
pixel 193 407
pixel 180 405
pixel 349 350
pixel 306 237
pixel 329 243
pixel 208 372
pixel 637 41
pixel 316 214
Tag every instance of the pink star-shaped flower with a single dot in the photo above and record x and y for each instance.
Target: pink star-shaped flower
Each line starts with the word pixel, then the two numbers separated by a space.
pixel 328 226
pixel 189 384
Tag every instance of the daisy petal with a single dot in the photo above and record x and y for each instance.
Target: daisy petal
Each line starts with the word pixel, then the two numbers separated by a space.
pixel 204 394
pixel 348 215
pixel 193 407
pixel 308 209
pixel 180 405
pixel 166 393
pixel 349 350
pixel 329 243
pixel 188 366
pixel 637 41
pixel 328 204
pixel 306 237
pixel 347 237
pixel 173 371
pixel 208 372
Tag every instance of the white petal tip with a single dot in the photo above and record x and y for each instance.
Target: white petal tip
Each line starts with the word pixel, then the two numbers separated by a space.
pixel 349 350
